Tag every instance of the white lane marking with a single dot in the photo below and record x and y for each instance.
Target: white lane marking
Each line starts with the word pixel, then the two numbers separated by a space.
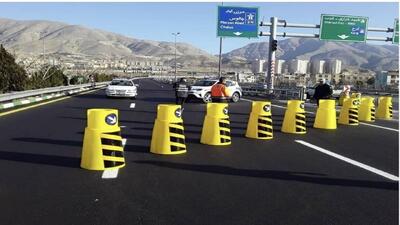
pixel 110 174
pixel 348 160
pixel 124 140
pixel 132 105
pixel 372 125
pixel 122 126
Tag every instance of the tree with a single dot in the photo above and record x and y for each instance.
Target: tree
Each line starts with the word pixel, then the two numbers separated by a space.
pixel 359 84
pixel 47 76
pixel 12 75
pixel 371 81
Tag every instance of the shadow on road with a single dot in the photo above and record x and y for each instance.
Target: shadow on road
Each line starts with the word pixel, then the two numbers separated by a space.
pixel 137 148
pixel 49 141
pixel 161 100
pixel 274 174
pixel 52 160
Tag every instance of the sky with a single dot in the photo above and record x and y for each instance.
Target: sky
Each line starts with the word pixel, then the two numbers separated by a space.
pixel 197 22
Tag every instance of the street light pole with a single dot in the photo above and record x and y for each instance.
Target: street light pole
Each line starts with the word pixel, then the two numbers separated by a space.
pixel 175 34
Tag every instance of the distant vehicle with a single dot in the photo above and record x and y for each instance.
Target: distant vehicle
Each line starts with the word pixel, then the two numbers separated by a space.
pixel 202 90
pixel 121 88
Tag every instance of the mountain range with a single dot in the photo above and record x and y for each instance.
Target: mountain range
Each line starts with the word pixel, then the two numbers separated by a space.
pixel 26 38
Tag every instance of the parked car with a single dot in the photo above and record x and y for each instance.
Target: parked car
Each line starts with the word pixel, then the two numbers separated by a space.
pixel 202 90
pixel 121 88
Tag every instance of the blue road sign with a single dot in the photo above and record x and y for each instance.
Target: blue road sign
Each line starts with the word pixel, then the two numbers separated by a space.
pixel 111 119
pixel 237 22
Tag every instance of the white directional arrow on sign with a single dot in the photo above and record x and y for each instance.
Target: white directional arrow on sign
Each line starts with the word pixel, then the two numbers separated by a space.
pixel 343 36
pixel 237 33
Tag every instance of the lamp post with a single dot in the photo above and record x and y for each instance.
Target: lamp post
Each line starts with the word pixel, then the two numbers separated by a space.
pixel 175 34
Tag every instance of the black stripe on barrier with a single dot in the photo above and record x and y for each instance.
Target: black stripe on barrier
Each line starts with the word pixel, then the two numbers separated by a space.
pixel 222 124
pixel 108 163
pixel 353 111
pixel 354 117
pixel 117 133
pixel 262 120
pixel 298 129
pixel 224 140
pixel 264 129
pixel 106 141
pixel 261 135
pixel 177 140
pixel 224 132
pixel 300 123
pixel 176 148
pixel 175 130
pixel 107 152
pixel 353 121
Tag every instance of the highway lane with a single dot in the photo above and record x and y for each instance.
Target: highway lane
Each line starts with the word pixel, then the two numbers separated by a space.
pixel 372 145
pixel 250 182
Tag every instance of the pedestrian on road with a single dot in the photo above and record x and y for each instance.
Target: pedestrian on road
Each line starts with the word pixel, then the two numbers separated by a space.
pixel 219 92
pixel 322 91
pixel 92 82
pixel 181 91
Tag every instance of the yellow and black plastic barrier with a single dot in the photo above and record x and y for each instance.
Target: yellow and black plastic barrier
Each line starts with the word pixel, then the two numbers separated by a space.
pixel 366 111
pixel 342 97
pixel 356 95
pixel 102 142
pixel 168 136
pixel 294 121
pixel 259 125
pixel 385 108
pixel 216 127
pixel 349 112
pixel 326 115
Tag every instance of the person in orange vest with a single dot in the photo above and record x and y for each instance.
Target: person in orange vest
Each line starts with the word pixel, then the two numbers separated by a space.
pixel 219 92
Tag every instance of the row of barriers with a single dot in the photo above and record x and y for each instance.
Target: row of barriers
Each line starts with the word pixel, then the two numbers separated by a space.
pixel 103 147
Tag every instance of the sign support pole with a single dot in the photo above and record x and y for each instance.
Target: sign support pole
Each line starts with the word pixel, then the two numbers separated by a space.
pixel 220 57
pixel 271 56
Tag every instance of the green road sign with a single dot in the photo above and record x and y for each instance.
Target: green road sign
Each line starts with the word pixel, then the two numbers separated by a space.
pixel 237 22
pixel 343 28
pixel 396 32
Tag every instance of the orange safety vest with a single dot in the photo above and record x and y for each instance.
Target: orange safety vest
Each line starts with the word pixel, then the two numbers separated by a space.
pixel 219 90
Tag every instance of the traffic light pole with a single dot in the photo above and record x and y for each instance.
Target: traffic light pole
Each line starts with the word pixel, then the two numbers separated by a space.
pixel 274 23
pixel 271 56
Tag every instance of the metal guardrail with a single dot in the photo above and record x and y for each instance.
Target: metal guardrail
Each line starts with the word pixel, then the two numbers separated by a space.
pixel 276 93
pixel 30 93
pixel 37 92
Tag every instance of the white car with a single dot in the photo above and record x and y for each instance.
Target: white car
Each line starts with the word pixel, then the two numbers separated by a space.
pixel 121 88
pixel 202 90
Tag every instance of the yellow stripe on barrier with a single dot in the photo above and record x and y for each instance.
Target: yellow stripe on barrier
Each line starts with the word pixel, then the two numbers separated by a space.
pixel 113 158
pixel 178 144
pixel 110 136
pixel 177 135
pixel 112 147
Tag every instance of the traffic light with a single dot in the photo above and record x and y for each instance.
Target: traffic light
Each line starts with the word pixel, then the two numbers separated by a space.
pixel 274 45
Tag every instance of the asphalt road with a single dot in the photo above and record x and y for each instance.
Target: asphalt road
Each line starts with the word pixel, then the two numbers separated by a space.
pixel 278 181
